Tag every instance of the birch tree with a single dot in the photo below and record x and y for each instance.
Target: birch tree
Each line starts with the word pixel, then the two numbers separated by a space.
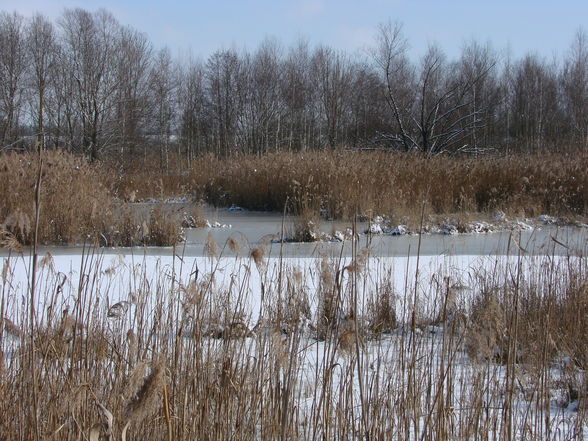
pixel 42 52
pixel 90 45
pixel 574 81
pixel 133 64
pixel 13 67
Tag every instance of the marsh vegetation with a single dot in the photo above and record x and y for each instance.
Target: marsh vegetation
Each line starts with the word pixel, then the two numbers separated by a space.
pixel 248 347
pixel 100 134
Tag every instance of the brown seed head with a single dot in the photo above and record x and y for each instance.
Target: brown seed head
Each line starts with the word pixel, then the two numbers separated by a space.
pixel 146 399
pixel 258 254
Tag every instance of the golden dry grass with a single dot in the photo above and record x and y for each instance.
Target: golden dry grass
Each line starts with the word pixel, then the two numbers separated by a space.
pixel 78 204
pixel 188 364
pixel 75 203
pixel 82 201
pixel 341 184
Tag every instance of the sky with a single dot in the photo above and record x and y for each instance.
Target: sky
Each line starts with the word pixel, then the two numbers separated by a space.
pixel 545 27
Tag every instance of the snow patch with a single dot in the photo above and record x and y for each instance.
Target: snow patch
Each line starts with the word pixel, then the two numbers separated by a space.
pixel 521 225
pixel 208 224
pixel 399 230
pixel 374 229
pixel 450 229
pixel 547 220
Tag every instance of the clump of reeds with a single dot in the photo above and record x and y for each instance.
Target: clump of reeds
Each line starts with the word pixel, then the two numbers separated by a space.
pixel 78 204
pixel 81 201
pixel 382 318
pixel 180 360
pixel 151 227
pixel 329 298
pixel 487 333
pixel 305 229
pixel 75 201
pixel 346 183
pixel 144 392
pixel 194 217
pixel 164 230
pixel 142 179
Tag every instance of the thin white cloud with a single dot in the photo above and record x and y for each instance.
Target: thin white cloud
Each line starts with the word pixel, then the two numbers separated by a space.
pixel 306 9
pixel 355 37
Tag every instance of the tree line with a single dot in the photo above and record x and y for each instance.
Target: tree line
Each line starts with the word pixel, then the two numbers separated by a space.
pixel 89 84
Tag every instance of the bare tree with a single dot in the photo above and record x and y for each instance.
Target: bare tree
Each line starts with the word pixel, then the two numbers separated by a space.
pixel 477 66
pixel 63 108
pixel 223 74
pixel 332 74
pixel 535 104
pixel 574 79
pixel 132 101
pixel 434 112
pixel 13 68
pixel 195 124
pixel 367 106
pixel 162 84
pixel 263 97
pixel 96 87
pixel 397 74
pixel 90 45
pixel 298 97
pixel 42 53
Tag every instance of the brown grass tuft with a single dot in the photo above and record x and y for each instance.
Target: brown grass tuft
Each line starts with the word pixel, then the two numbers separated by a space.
pixel 163 229
pixel 146 399
pixel 382 317
pixel 234 245
pixel 258 255
pixel 211 246
pixel 486 337
pixel 9 241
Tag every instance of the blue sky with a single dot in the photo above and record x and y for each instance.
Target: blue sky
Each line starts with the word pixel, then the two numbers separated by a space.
pixel 545 27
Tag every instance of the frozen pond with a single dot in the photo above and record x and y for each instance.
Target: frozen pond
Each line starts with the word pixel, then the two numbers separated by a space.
pixel 255 229
pixel 151 292
pixel 256 226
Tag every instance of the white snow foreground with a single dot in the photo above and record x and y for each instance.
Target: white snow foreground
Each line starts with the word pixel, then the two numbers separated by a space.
pixel 414 379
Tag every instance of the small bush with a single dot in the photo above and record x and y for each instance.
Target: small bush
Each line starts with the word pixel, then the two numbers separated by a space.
pixel 486 337
pixel 75 204
pixel 382 311
pixel 341 184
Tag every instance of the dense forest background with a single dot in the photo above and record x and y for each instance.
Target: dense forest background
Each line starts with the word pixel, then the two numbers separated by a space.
pixel 88 84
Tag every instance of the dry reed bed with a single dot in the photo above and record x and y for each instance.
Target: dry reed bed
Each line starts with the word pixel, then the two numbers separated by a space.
pixel 74 201
pixel 90 202
pixel 343 183
pixel 254 349
pixel 77 205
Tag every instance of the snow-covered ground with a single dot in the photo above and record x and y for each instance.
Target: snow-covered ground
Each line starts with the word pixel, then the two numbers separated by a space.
pixel 118 285
pixel 111 277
